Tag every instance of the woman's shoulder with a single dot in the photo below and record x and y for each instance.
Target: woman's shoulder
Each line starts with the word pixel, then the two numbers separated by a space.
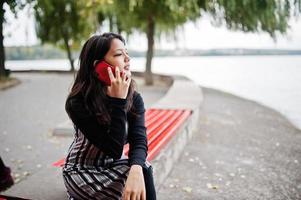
pixel 74 100
pixel 137 97
pixel 138 101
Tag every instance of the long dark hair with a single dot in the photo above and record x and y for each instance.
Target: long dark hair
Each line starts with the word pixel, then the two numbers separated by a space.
pixel 87 84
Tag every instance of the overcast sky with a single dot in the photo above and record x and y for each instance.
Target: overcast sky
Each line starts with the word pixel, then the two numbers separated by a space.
pixel 200 35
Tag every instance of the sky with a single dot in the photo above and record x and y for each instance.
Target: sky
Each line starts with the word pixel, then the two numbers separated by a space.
pixel 199 35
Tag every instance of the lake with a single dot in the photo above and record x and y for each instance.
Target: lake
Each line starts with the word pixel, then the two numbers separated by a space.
pixel 273 81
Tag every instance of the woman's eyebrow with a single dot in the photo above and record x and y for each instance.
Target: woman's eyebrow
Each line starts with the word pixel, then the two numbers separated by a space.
pixel 125 49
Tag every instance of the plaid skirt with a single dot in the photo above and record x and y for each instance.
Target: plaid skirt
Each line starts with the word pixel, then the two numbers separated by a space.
pixel 90 174
pixel 97 183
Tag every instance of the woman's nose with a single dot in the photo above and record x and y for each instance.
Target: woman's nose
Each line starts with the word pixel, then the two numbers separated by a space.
pixel 127 58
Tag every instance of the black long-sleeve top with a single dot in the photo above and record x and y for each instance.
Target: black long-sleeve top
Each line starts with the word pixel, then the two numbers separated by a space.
pixel 111 138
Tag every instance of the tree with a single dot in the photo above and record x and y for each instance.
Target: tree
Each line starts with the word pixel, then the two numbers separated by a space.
pixel 103 10
pixel 14 6
pixel 154 17
pixel 269 16
pixel 63 23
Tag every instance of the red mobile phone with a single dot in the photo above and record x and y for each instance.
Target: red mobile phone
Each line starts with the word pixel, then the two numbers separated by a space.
pixel 101 69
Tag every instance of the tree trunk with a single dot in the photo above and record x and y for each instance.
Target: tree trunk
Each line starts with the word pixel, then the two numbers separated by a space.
pixel 2 51
pixel 69 54
pixel 118 26
pixel 150 51
pixel 111 23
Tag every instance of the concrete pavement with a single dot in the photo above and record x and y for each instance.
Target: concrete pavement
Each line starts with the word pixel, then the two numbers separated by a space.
pixel 242 150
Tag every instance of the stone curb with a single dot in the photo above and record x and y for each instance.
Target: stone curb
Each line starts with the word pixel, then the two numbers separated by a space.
pixel 183 94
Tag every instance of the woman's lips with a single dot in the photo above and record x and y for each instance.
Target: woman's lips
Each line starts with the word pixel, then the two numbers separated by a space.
pixel 127 67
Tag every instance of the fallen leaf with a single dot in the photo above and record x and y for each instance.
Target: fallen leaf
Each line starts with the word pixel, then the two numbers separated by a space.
pixel 29 147
pixel 210 186
pixel 16 175
pixel 26 173
pixel 187 189
pixel 17 180
pixel 20 161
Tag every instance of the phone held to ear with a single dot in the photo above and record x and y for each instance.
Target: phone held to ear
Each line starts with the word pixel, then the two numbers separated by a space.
pixel 101 69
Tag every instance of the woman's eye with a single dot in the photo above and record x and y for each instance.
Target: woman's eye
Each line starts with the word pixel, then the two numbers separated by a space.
pixel 118 54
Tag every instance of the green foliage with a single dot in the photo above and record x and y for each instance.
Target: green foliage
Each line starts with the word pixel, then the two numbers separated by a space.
pixel 63 23
pixel 60 20
pixel 167 14
pixel 269 16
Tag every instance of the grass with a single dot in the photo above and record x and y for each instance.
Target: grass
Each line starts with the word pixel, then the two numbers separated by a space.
pixel 6 82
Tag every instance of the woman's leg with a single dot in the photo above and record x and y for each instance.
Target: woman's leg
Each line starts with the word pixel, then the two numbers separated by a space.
pixel 149 182
pixel 2 166
pixel 6 179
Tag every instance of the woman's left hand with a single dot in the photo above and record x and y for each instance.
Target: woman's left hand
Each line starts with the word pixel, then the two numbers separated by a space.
pixel 134 187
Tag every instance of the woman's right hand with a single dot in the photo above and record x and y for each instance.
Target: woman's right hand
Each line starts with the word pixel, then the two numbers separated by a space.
pixel 119 84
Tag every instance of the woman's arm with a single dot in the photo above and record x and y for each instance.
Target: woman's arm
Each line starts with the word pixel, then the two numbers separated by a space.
pixel 137 133
pixel 135 186
pixel 109 138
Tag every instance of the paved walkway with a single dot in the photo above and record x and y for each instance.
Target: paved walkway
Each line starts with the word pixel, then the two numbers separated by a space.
pixel 242 150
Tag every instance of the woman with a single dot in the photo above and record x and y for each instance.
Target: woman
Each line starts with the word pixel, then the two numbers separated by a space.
pixel 105 119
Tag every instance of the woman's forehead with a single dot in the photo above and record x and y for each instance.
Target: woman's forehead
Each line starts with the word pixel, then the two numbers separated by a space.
pixel 117 45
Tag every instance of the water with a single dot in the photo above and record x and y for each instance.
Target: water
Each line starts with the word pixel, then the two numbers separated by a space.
pixel 274 81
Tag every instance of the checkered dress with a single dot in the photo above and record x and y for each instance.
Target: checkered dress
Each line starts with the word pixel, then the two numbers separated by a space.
pixel 89 174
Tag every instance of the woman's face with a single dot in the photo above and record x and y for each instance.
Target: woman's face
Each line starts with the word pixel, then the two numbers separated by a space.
pixel 118 56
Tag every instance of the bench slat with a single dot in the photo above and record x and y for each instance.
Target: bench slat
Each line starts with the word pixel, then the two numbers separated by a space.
pixel 160 118
pixel 152 119
pixel 161 126
pixel 162 140
pixel 150 113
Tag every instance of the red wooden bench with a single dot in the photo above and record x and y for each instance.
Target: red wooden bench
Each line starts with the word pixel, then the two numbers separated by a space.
pixel 161 125
pixel 5 197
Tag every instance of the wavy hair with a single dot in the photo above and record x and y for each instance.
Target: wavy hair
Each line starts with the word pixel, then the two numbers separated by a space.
pixel 86 82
